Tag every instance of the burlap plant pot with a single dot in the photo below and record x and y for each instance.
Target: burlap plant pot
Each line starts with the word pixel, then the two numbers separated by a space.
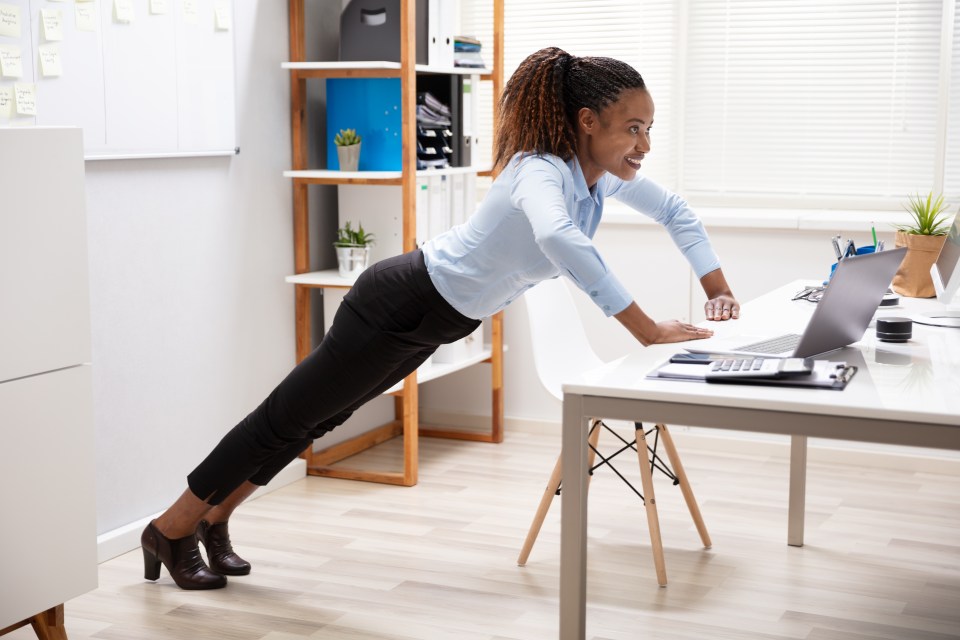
pixel 913 276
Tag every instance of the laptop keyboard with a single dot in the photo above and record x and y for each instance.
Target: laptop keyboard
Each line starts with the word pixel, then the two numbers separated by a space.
pixel 780 344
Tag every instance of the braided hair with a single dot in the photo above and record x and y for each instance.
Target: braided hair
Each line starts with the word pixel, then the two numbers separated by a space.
pixel 540 102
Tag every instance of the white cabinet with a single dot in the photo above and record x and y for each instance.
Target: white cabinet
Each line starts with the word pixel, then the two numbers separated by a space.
pixel 48 536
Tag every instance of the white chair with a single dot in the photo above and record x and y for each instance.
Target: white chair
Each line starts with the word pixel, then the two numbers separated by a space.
pixel 560 351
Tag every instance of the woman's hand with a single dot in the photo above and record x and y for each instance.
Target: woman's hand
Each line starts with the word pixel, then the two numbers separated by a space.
pixel 722 307
pixel 676 331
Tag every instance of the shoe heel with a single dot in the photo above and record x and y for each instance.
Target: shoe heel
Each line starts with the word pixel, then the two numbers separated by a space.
pixel 151 566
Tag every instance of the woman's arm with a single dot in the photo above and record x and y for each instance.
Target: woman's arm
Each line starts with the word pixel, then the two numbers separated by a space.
pixel 648 332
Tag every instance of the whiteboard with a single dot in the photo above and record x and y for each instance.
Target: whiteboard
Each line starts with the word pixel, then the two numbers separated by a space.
pixel 142 78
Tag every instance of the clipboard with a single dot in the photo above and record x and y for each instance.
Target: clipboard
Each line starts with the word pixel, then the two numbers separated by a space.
pixel 826 374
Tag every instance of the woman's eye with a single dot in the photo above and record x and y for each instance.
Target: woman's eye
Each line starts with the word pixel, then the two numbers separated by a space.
pixel 634 130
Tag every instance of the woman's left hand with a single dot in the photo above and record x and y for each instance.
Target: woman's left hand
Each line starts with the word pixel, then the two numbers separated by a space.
pixel 723 307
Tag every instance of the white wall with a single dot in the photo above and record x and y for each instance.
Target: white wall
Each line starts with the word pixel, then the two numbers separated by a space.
pixel 192 322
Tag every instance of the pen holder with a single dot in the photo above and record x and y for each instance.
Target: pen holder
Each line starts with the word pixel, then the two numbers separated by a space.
pixel 860 251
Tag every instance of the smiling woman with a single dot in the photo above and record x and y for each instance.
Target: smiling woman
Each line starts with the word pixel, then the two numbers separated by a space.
pixel 575 131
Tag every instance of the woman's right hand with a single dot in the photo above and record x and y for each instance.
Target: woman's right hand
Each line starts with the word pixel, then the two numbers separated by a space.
pixel 676 331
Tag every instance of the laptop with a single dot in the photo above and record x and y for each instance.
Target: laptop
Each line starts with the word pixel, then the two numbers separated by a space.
pixel 840 318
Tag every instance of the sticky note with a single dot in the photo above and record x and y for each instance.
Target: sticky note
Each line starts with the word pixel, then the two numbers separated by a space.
pixel 50 66
pixel 159 7
pixel 191 12
pixel 221 12
pixel 52 21
pixel 25 96
pixel 86 17
pixel 123 11
pixel 9 21
pixel 6 102
pixel 11 62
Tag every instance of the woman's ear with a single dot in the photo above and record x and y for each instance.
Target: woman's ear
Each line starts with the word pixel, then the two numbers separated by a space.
pixel 587 120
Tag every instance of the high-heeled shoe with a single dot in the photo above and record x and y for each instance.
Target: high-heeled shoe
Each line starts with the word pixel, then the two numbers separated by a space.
pixel 220 553
pixel 182 559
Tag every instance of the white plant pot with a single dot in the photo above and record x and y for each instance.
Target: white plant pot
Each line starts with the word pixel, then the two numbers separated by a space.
pixel 349 157
pixel 351 261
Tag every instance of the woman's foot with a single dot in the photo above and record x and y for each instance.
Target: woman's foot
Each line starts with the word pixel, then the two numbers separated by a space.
pixel 181 557
pixel 220 554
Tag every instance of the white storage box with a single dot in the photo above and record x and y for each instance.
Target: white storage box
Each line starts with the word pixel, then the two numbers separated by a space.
pixel 464 348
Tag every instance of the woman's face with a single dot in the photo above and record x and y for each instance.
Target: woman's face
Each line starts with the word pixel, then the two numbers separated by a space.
pixel 616 139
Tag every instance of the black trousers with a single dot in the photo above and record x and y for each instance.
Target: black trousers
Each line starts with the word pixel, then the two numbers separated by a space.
pixel 387 325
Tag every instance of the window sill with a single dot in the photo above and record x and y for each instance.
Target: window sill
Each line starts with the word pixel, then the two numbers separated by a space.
pixel 836 221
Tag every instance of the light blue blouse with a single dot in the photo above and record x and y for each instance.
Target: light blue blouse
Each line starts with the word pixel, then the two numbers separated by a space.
pixel 537 222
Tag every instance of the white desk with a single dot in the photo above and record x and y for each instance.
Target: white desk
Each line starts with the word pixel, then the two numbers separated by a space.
pixel 906 394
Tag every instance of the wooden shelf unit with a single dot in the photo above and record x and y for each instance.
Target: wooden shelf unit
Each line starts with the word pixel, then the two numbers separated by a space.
pixel 406 422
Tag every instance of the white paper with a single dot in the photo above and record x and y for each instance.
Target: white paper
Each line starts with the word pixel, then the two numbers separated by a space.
pixel 86 17
pixel 25 96
pixel 7 103
pixel 159 7
pixel 123 11
pixel 191 12
pixel 11 61
pixel 50 66
pixel 52 20
pixel 221 11
pixel 9 21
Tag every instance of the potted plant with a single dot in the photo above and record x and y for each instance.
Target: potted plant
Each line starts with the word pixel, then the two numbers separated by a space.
pixel 353 250
pixel 348 149
pixel 923 237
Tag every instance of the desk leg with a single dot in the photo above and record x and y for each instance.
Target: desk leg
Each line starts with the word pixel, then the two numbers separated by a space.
pixel 798 490
pixel 573 521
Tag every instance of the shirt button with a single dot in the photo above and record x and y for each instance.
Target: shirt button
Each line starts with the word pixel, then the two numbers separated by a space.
pixel 606 307
pixel 593 294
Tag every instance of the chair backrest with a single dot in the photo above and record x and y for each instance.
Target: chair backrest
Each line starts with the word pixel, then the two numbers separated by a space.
pixel 561 350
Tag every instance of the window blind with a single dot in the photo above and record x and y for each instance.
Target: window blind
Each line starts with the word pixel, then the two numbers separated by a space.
pixel 792 103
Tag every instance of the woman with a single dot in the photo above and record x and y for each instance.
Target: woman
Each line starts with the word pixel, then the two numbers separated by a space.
pixel 574 131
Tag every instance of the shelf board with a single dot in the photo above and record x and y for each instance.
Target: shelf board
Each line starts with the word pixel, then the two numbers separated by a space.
pixel 435 370
pixel 328 176
pixel 326 279
pixel 373 69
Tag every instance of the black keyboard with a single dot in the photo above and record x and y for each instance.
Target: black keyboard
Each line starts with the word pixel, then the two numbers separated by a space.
pixel 781 344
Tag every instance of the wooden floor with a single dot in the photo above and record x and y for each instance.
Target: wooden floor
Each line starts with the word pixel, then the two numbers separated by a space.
pixel 343 560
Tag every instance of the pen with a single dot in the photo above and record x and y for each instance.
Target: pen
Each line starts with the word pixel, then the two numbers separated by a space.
pixel 873 230
pixel 851 249
pixel 880 246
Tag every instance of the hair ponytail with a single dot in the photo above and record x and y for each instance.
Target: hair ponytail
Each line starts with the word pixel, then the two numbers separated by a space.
pixel 539 105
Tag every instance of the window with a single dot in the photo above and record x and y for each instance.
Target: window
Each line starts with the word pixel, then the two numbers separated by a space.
pixel 812 103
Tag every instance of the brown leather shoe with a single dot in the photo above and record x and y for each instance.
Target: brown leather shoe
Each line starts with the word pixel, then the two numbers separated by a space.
pixel 182 559
pixel 220 554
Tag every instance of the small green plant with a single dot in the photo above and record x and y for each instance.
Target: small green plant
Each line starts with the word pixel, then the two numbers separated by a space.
pixel 346 138
pixel 929 216
pixel 347 236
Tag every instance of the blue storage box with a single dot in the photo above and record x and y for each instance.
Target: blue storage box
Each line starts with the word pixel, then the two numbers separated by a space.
pixel 372 107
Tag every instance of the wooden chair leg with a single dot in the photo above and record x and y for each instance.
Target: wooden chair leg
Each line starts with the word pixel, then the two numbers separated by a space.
pixel 548 494
pixel 650 502
pixel 685 487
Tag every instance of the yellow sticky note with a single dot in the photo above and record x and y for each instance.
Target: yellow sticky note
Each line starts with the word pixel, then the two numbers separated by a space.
pixel 11 62
pixel 159 7
pixel 86 16
pixel 25 96
pixel 6 102
pixel 52 20
pixel 221 12
pixel 191 12
pixel 9 21
pixel 123 11
pixel 50 65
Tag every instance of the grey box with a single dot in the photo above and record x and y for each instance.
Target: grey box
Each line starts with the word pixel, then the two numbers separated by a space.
pixel 370 30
